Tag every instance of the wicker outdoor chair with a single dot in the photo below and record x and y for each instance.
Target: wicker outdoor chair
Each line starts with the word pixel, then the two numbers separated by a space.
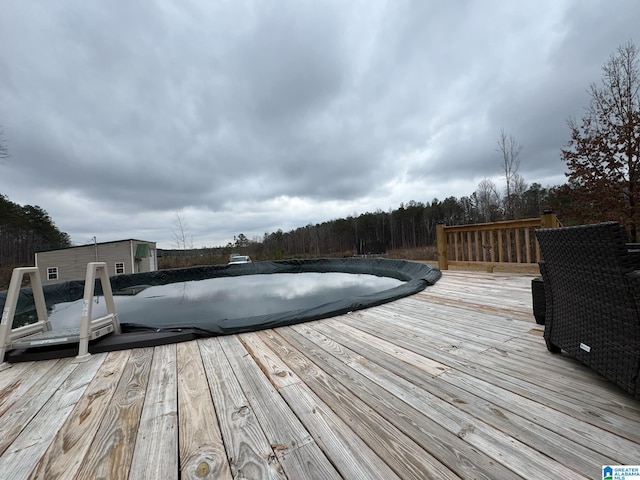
pixel 592 295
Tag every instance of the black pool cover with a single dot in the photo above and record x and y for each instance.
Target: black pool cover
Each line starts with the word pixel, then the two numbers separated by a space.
pixel 416 276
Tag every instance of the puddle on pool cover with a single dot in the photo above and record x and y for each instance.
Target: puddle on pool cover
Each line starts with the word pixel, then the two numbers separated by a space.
pixel 227 298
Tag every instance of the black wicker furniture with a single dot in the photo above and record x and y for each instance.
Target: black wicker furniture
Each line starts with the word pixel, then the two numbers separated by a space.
pixel 539 303
pixel 592 296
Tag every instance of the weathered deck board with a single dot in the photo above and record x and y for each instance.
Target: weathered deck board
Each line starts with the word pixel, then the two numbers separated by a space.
pixel 388 420
pixel 335 435
pixel 249 452
pixel 111 450
pixel 454 382
pixel 24 454
pixel 284 431
pixel 156 446
pixel 10 379
pixel 68 450
pixel 26 400
pixel 477 433
pixel 570 380
pixel 202 453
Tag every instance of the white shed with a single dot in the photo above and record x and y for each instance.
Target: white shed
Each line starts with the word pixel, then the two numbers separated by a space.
pixel 122 256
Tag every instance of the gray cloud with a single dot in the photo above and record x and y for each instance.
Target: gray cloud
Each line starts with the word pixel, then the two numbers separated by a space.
pixel 250 116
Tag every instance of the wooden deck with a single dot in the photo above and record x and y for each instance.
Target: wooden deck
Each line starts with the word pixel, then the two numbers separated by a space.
pixel 454 382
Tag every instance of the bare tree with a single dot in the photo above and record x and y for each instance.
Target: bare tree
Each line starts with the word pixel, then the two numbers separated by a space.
pixel 488 200
pixel 509 150
pixel 182 236
pixel 518 189
pixel 603 155
pixel 4 150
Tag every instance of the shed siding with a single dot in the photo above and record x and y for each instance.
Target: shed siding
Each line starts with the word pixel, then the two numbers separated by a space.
pixel 72 262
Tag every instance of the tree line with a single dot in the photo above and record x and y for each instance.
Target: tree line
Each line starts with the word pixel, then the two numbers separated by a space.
pixel 411 226
pixel 603 162
pixel 602 158
pixel 25 230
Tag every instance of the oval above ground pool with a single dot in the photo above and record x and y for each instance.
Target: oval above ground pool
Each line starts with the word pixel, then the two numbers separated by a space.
pixel 180 304
pixel 222 300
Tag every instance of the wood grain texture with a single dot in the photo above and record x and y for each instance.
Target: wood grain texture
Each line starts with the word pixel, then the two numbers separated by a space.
pixel 273 367
pixel 334 426
pixel 156 447
pixel 524 460
pixel 28 396
pixel 502 412
pixel 26 451
pixel 333 381
pixel 386 422
pixel 249 452
pixel 63 458
pixel 284 431
pixel 11 375
pixel 202 452
pixel 18 380
pixel 110 453
pixel 452 382
pixel 351 456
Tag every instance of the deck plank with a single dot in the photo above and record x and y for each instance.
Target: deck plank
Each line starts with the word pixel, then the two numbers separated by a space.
pixel 10 378
pixel 156 446
pixel 351 456
pixel 19 379
pixel 506 380
pixel 202 453
pixel 574 423
pixel 411 334
pixel 28 448
pixel 63 458
pixel 248 450
pixel 406 457
pixel 284 431
pixel 523 460
pixel 452 382
pixel 389 417
pixel 499 416
pixel 29 396
pixel 109 455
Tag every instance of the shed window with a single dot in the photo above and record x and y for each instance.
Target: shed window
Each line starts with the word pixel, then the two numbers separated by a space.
pixel 119 268
pixel 52 273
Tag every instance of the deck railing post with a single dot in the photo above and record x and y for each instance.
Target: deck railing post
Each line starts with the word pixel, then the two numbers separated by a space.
pixel 548 219
pixel 441 241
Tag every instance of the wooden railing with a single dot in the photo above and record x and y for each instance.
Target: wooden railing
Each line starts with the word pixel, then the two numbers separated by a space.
pixel 510 243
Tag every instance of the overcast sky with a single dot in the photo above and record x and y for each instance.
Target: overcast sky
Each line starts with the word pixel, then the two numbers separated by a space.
pixel 253 116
